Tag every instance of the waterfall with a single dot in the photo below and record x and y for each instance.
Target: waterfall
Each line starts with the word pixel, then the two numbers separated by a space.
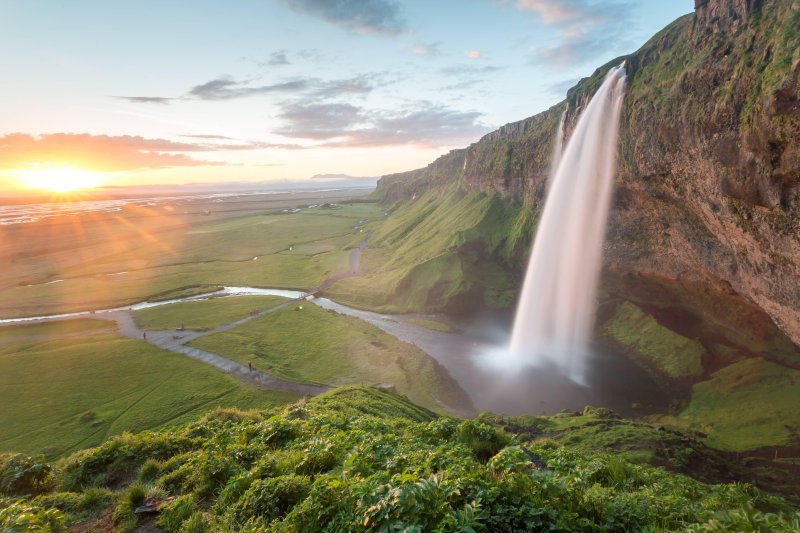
pixel 555 315
pixel 558 147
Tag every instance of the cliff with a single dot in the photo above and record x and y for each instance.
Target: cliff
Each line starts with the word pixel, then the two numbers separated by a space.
pixel 708 184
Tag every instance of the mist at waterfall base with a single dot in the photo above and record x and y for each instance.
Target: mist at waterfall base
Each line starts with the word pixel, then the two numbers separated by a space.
pixel 552 329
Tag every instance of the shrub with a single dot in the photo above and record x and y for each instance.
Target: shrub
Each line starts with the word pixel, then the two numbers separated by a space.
pixel 21 474
pixel 269 499
pixel 481 438
pixel 176 513
pixel 20 516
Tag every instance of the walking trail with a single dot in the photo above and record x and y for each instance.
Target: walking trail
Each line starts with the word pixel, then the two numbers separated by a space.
pixel 177 341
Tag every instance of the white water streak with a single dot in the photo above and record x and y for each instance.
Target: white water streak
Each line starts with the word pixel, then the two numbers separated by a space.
pixel 556 310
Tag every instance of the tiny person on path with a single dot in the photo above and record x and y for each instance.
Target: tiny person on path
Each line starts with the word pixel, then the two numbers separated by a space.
pixel 250 366
pixel 144 335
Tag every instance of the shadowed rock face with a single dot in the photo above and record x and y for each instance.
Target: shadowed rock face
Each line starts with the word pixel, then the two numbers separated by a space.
pixel 708 185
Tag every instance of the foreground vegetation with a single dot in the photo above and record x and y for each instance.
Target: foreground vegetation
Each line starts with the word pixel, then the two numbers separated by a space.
pixel 65 386
pixel 306 343
pixel 361 459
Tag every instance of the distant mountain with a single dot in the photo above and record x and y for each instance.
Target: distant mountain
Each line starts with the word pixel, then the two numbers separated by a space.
pixel 343 177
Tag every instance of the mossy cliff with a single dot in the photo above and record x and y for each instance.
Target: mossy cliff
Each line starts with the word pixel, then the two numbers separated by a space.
pixel 708 186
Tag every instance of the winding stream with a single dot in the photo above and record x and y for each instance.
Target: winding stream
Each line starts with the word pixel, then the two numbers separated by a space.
pixel 612 380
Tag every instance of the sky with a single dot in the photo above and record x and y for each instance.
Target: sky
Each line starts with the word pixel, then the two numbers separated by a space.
pixel 167 91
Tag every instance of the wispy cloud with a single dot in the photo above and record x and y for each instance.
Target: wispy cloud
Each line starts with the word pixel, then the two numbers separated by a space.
pixel 473 54
pixel 467 76
pixel 343 125
pixel 560 88
pixel 586 28
pixel 363 16
pixel 227 88
pixel 98 152
pixel 426 49
pixel 278 59
pixel 469 70
pixel 208 136
pixel 146 99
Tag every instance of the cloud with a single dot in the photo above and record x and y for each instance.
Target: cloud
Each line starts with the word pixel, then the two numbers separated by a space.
pixel 318 121
pixel 467 76
pixel 363 16
pixel 586 28
pixel 331 89
pixel 473 54
pixel 211 137
pixel 344 125
pixel 146 99
pixel 426 50
pixel 277 59
pixel 227 88
pixel 97 152
pixel 469 70
pixel 560 88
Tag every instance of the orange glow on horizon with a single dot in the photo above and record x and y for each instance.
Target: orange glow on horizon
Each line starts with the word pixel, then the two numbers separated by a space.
pixel 58 179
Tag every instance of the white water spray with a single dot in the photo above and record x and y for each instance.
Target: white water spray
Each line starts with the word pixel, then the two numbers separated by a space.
pixel 556 310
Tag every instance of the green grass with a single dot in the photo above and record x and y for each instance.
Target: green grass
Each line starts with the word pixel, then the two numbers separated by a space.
pixel 122 261
pixel 433 325
pixel 360 459
pixel 319 346
pixel 750 404
pixel 666 351
pixel 203 314
pixel 434 253
pixel 62 392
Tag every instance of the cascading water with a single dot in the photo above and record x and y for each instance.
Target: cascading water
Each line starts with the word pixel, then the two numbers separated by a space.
pixel 556 310
pixel 558 146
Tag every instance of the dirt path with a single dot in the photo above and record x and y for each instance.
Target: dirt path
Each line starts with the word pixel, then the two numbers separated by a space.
pixel 176 341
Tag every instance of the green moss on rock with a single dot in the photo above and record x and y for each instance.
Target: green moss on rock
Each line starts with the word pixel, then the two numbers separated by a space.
pixel 659 347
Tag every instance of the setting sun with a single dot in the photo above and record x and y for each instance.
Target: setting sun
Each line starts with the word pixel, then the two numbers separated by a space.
pixel 59 179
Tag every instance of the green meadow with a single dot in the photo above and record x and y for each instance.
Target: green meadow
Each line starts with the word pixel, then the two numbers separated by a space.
pixel 306 343
pixel 203 314
pixel 69 385
pixel 125 259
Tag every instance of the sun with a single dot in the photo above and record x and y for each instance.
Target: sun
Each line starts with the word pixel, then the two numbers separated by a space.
pixel 59 179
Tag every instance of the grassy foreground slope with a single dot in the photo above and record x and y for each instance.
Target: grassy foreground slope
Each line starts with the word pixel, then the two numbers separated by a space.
pixel 360 459
pixel 71 385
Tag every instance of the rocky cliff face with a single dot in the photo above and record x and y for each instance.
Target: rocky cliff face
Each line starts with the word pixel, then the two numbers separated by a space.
pixel 708 186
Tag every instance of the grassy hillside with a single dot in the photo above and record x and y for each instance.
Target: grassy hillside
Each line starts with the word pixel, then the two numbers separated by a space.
pixel 750 404
pixel 445 250
pixel 359 459
pixel 71 385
